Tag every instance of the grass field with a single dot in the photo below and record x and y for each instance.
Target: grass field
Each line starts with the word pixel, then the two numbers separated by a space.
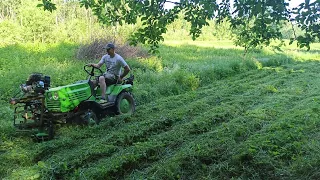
pixel 205 111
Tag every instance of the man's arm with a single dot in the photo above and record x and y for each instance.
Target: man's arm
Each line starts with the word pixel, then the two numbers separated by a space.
pixel 125 72
pixel 98 65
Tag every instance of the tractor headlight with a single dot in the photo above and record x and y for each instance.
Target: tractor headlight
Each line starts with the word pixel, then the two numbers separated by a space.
pixel 55 96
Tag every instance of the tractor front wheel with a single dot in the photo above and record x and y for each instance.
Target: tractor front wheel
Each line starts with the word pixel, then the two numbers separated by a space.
pixel 90 118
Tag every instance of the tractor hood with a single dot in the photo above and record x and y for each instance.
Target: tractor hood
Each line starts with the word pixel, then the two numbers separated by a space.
pixel 66 98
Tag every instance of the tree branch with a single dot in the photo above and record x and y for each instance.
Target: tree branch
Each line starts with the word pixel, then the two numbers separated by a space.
pixel 176 3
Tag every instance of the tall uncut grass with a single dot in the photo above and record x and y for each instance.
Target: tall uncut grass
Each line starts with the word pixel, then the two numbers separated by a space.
pixel 204 111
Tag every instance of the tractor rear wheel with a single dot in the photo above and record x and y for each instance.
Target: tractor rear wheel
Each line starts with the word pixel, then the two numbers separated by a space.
pixel 125 103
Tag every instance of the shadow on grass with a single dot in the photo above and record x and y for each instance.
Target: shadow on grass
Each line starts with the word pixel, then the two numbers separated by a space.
pixel 195 54
pixel 310 51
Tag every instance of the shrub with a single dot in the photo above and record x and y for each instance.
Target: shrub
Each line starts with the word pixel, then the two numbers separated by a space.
pixel 152 63
pixel 9 32
pixel 251 64
pixel 222 71
pixel 152 85
pixel 187 81
pixel 94 50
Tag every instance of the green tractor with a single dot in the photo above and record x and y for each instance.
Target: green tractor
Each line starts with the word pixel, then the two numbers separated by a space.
pixel 39 108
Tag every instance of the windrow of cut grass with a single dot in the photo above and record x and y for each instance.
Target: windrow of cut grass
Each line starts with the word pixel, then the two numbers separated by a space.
pixel 255 123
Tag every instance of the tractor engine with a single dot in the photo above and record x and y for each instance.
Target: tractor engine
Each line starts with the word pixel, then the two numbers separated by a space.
pixel 36 83
pixel 29 111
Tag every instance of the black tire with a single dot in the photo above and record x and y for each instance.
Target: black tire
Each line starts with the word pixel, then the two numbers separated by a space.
pixel 90 118
pixel 125 104
pixel 50 130
pixel 45 133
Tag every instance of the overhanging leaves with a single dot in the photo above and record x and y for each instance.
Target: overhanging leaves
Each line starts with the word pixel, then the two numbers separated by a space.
pixel 256 22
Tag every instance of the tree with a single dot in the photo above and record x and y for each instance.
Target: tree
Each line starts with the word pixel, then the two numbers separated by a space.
pixel 7 8
pixel 256 21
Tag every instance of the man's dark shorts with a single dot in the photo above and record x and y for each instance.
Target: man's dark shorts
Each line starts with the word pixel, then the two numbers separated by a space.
pixel 110 78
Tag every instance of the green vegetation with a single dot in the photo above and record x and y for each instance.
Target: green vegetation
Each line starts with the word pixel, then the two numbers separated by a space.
pixel 22 22
pixel 254 22
pixel 204 111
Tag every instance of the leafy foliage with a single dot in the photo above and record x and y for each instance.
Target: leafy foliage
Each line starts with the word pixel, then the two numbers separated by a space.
pixel 307 17
pixel 47 5
pixel 257 21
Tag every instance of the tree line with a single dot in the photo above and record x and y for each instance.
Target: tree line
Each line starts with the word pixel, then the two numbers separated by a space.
pixel 22 21
pixel 147 22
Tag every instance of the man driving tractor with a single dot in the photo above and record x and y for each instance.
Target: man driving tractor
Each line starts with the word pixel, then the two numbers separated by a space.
pixel 39 108
pixel 113 74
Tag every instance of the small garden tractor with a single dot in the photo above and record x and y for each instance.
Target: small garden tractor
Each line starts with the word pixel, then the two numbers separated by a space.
pixel 38 108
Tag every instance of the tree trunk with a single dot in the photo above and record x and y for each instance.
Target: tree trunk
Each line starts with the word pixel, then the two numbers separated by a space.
pixel 1 15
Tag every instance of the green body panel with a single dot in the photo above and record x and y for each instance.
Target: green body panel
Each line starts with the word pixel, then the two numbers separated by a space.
pixel 66 98
pixel 115 89
pixel 118 88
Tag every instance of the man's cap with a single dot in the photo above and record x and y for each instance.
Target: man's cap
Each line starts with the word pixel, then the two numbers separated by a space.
pixel 109 46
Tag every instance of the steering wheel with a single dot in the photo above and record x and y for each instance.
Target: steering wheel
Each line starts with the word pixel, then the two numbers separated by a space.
pixel 92 72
